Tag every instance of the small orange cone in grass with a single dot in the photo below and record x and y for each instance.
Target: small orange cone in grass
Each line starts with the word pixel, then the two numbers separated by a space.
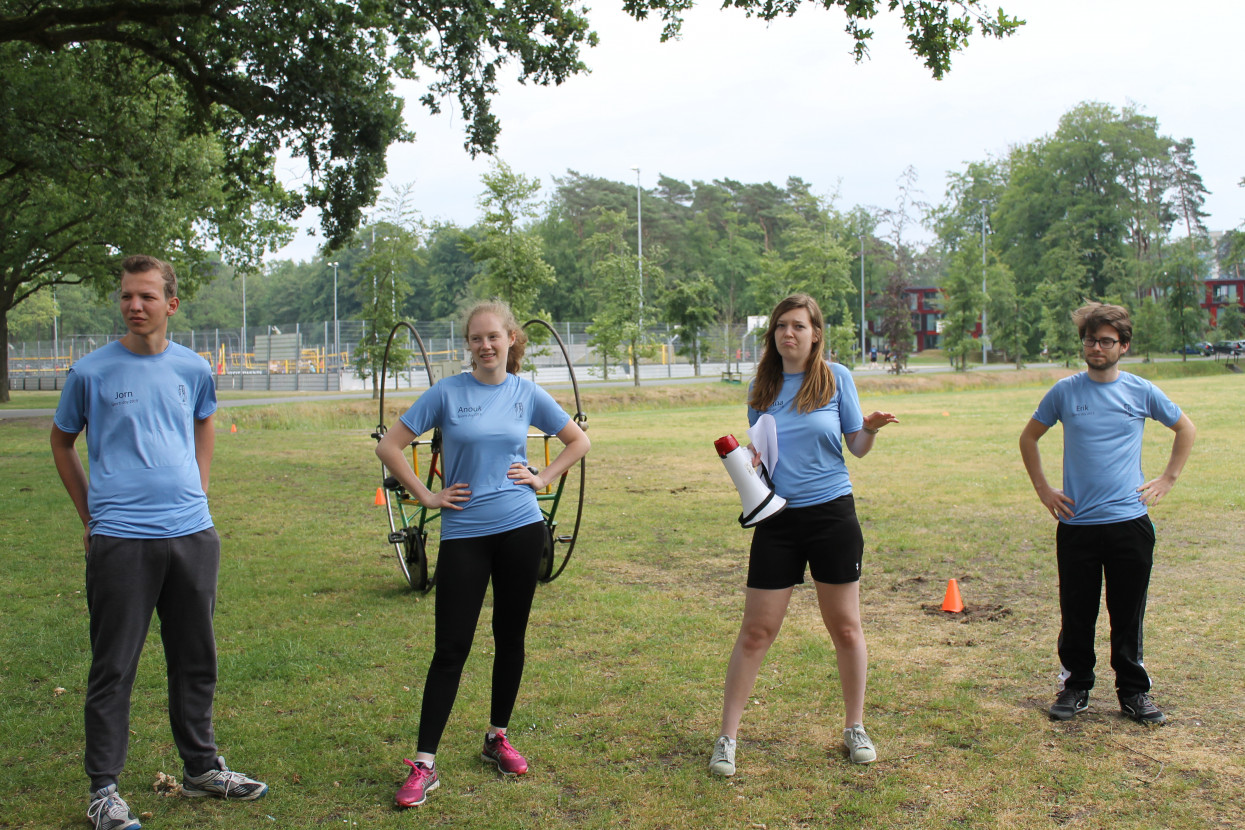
pixel 380 497
pixel 233 427
pixel 952 602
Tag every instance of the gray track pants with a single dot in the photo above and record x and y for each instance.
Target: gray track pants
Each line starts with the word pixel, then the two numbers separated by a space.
pixel 126 579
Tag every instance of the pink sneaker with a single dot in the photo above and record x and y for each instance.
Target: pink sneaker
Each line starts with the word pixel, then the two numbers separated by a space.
pixel 422 780
pixel 498 750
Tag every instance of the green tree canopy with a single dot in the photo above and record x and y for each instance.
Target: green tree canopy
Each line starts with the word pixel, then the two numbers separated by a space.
pixel 508 251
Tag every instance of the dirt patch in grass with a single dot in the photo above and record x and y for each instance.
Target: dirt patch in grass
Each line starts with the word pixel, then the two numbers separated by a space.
pixel 971 613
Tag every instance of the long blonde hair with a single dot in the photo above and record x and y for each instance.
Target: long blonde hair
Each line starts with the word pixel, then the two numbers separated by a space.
pixel 514 355
pixel 818 387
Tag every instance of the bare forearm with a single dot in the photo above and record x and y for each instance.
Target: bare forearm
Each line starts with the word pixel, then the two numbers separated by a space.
pixel 73 475
pixel 577 446
pixel 860 442
pixel 1182 447
pixel 392 452
pixel 205 446
pixel 1032 459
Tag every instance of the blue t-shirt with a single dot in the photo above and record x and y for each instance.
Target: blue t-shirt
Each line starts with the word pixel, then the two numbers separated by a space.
pixel 484 431
pixel 1102 428
pixel 139 412
pixel 810 468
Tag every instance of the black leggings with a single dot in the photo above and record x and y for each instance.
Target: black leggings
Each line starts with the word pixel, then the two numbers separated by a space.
pixel 464 567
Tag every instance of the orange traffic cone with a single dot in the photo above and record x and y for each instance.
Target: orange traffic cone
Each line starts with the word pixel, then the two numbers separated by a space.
pixel 952 602
pixel 233 427
pixel 380 497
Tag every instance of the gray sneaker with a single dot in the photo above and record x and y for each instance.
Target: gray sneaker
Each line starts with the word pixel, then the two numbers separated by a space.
pixel 859 747
pixel 722 761
pixel 223 782
pixel 108 811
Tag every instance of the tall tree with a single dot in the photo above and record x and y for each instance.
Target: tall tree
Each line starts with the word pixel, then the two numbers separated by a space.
pixel 1151 329
pixel 617 329
pixel 1183 284
pixel 895 302
pixel 962 305
pixel 1012 316
pixel 1189 191
pixel 689 307
pixel 381 289
pixel 508 251
pixel 88 170
pixel 1064 290
pixel 449 272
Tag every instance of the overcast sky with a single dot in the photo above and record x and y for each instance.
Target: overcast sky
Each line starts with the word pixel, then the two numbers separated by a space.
pixel 737 98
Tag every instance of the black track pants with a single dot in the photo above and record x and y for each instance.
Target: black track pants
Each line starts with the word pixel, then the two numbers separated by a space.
pixel 126 580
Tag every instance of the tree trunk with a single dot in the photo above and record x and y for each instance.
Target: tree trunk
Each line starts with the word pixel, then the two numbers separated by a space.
pixel 4 363
pixel 635 362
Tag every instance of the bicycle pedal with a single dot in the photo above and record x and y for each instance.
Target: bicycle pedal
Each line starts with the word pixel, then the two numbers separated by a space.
pixel 397 537
pixel 563 539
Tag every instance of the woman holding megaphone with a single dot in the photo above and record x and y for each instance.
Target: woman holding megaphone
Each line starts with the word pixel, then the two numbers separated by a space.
pixel 817 413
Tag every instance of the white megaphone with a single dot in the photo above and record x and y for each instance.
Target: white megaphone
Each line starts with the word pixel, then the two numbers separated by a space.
pixel 759 501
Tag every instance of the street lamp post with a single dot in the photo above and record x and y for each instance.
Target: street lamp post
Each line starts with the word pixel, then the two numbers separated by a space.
pixel 983 282
pixel 336 337
pixel 639 241
pixel 862 300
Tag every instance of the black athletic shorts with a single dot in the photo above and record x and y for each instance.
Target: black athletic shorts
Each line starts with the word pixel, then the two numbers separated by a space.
pixel 825 536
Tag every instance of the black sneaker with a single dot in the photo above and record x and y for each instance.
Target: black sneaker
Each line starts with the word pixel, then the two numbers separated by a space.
pixel 1140 708
pixel 1070 702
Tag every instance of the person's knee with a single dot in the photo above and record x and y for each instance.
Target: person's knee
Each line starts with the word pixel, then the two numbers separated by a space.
pixel 757 636
pixel 846 634
pixel 450 657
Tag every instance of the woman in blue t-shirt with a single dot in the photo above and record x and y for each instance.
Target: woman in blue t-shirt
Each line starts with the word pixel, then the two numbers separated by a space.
pixel 491 525
pixel 816 412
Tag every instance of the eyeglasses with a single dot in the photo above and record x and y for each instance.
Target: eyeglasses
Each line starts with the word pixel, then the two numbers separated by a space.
pixel 1105 342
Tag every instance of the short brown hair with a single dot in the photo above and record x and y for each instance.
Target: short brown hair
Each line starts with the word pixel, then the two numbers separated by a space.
pixel 1091 316
pixel 141 264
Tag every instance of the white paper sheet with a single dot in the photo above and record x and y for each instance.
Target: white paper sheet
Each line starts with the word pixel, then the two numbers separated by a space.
pixel 764 437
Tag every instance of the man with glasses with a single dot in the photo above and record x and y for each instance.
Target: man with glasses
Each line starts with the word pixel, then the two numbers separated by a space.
pixel 1104 528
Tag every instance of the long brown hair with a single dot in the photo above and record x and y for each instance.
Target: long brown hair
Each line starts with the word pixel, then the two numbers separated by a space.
pixel 514 355
pixel 818 387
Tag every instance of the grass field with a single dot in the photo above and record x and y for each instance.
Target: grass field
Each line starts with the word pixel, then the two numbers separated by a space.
pixel 323 649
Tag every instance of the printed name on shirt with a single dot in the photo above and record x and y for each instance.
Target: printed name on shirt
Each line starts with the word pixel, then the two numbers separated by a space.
pixel 469 411
pixel 1083 409
pixel 123 398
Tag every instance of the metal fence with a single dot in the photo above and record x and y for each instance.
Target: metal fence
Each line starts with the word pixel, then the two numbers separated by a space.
pixel 320 355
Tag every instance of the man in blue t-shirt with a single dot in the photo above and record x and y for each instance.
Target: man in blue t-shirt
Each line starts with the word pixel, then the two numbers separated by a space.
pixel 1104 528
pixel 146 404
